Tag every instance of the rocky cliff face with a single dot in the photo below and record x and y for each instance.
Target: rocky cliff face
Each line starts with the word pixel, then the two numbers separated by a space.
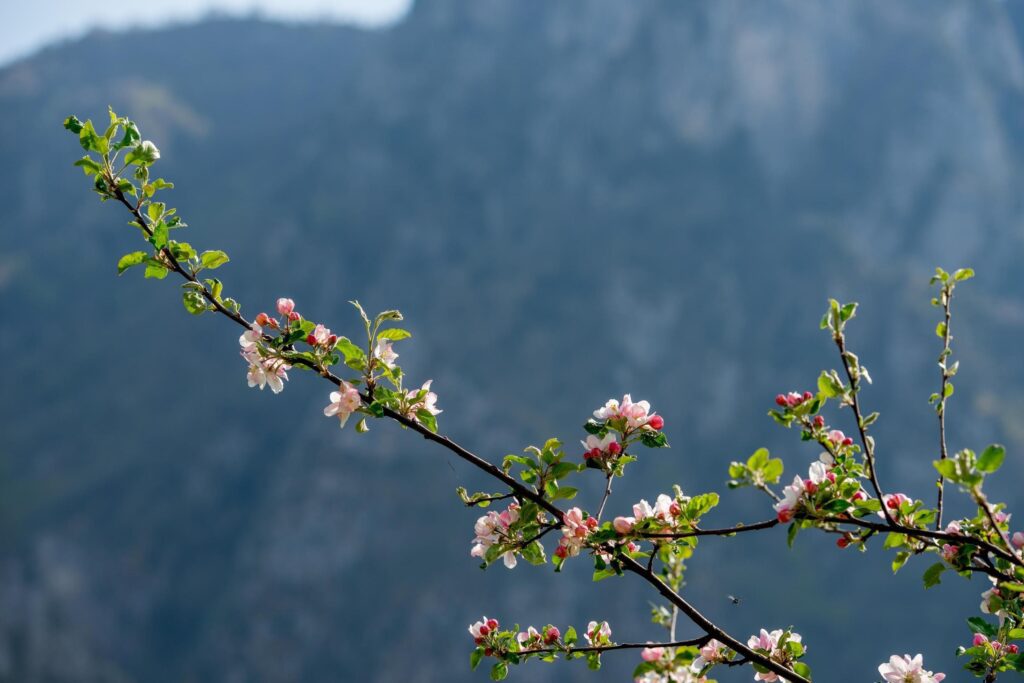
pixel 569 201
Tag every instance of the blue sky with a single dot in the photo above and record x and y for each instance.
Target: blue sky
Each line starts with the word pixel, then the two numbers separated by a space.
pixel 27 25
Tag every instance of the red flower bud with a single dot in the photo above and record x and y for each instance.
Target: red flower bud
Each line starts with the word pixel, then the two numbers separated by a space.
pixel 808 396
pixel 484 630
pixel 332 340
pixel 847 441
pixel 262 319
pixel 552 635
pixel 492 624
pixel 842 541
pixel 294 315
pixel 781 400
pixel 614 448
pixel 819 421
pixel 488 652
pixel 311 340
pixel 656 422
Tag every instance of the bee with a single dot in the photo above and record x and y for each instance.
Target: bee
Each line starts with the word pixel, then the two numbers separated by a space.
pixel 733 599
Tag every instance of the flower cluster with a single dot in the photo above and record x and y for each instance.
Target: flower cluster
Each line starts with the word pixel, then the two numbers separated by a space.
pixel 783 647
pixel 484 632
pixel 598 634
pixel 632 416
pixel 420 401
pixel 907 670
pixel 576 527
pixel 264 370
pixel 665 511
pixel 793 399
pixel 531 638
pixel 494 529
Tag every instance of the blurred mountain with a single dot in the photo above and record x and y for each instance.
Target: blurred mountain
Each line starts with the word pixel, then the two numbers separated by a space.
pixel 569 201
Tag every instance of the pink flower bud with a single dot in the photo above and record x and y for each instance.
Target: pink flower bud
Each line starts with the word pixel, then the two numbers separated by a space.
pixel 674 509
pixel 293 316
pixel 285 306
pixel 785 514
pixel 656 422
pixel 622 525
pixel 808 396
pixel 551 635
pixel 810 486
pixel 651 654
pixel 262 319
pixel 1018 539
pixel 1012 649
pixel 819 421
pixel 614 448
pixel 979 640
pixel 591 522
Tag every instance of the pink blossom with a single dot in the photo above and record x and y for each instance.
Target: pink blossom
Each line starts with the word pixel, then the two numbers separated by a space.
pixel 480 629
pixel 769 642
pixel 552 634
pixel 1001 517
pixel 642 510
pixel 836 437
pixel 713 652
pixel 894 501
pixel 598 633
pixel 529 635
pixel 979 640
pixel 493 529
pixel 652 654
pixel 319 336
pixel 384 353
pixel 344 402
pixel 1018 539
pixel 666 509
pixel 250 339
pixel 791 496
pixel 427 402
pixel 953 527
pixel 906 670
pixel 949 552
pixel 596 447
pixel 623 525
pixel 285 306
pixel 263 372
pixel 637 415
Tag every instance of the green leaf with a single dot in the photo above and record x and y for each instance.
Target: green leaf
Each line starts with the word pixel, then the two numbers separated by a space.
pixel 72 124
pixel 564 492
pixel 979 625
pixel 932 575
pixel 394 334
pixel 213 259
pixel 900 560
pixel 159 238
pixel 946 468
pixel 772 471
pixel 499 671
pixel 474 658
pixel 963 274
pixel 759 459
pixel 194 302
pixel 89 166
pixel 427 419
pixel 653 439
pixel 940 330
pixel 991 459
pixel 128 260
pixel 155 270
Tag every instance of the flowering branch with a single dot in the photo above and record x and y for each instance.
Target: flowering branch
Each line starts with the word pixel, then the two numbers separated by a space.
pixel 655 541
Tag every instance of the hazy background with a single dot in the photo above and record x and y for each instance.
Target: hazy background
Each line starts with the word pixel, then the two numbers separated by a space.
pixel 569 201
